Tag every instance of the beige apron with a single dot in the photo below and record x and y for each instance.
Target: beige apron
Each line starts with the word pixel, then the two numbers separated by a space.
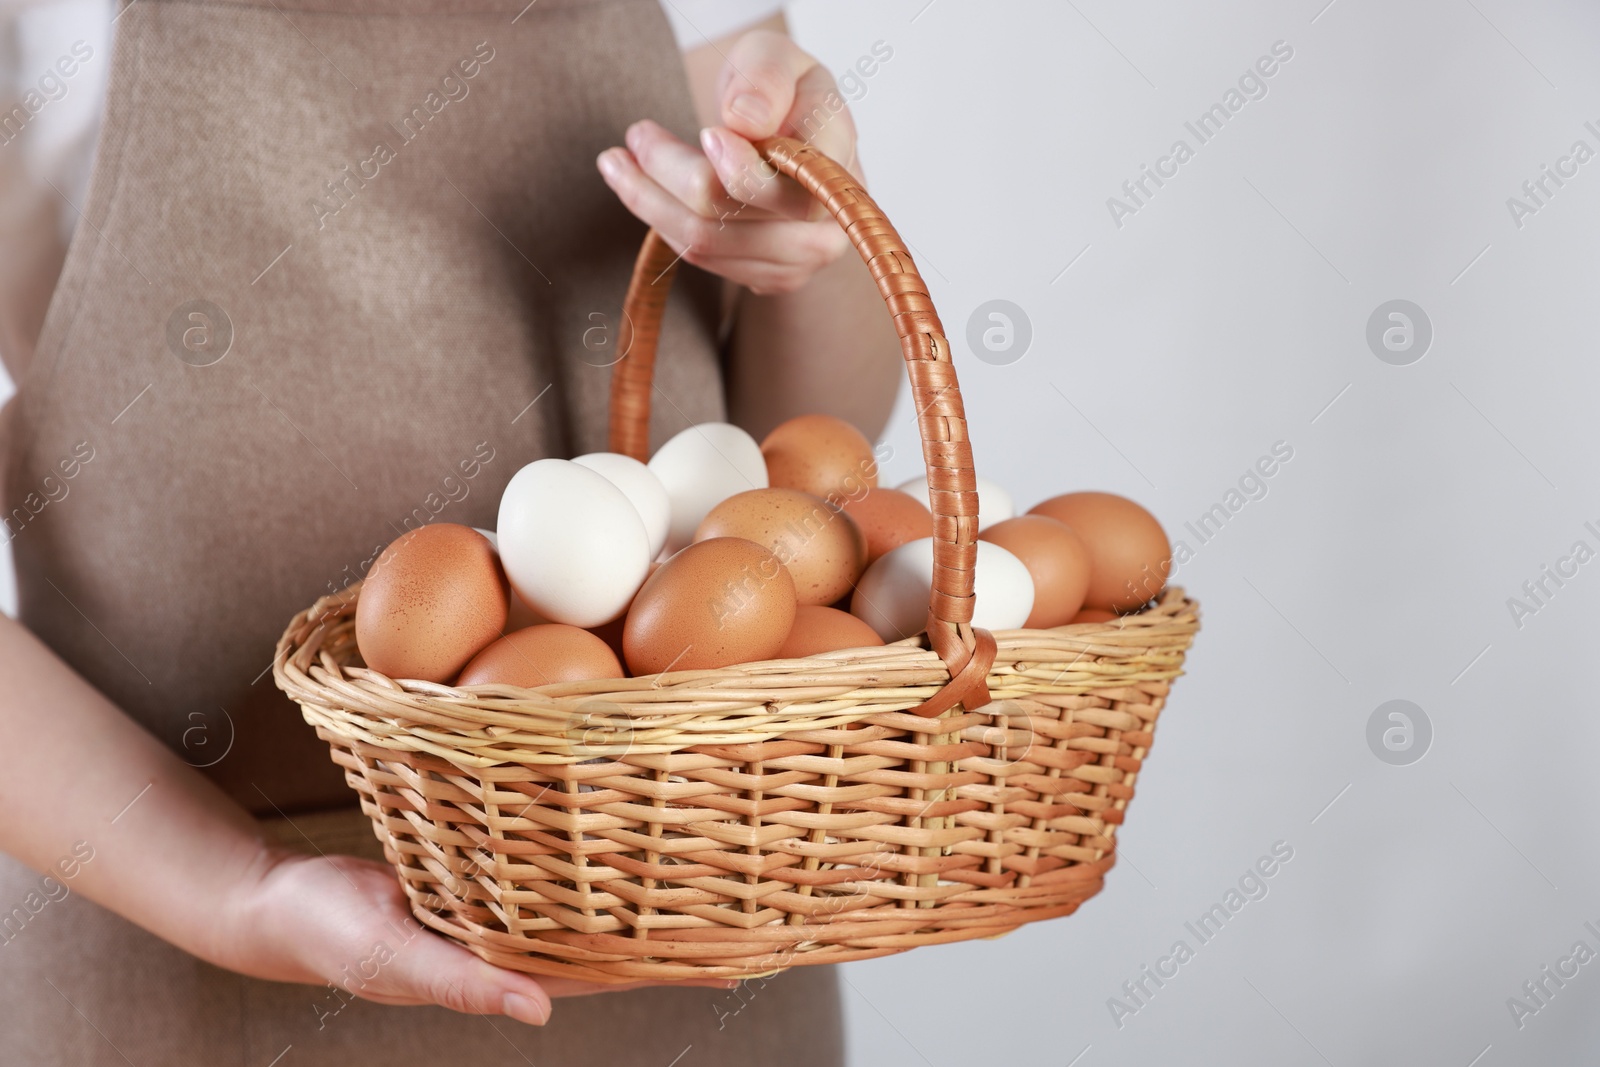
pixel 344 267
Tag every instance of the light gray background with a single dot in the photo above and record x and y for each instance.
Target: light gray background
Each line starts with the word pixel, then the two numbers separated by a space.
pixel 1229 314
pixel 1224 317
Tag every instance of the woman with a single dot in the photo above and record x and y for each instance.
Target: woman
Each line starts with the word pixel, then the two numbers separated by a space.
pixel 341 270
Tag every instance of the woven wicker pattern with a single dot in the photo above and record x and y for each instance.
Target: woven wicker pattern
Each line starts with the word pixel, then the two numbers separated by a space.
pixel 738 821
pixel 734 822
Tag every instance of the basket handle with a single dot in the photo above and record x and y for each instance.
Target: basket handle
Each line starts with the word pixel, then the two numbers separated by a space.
pixel 941 418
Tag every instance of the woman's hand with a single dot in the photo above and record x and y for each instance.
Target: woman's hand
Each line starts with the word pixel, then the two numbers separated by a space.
pixel 721 206
pixel 345 921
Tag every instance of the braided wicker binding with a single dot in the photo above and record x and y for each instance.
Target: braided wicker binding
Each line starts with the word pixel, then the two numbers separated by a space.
pixel 632 376
pixel 739 821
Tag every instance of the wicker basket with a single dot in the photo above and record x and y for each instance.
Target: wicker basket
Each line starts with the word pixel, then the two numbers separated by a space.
pixel 735 822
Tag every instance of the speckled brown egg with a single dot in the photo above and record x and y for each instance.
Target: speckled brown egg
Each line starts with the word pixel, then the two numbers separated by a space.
pixel 1055 558
pixel 820 455
pixel 818 629
pixel 542 655
pixel 888 519
pixel 1129 556
pixel 821 546
pixel 430 602
pixel 718 602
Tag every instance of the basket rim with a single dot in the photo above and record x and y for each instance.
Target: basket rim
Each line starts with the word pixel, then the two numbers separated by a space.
pixel 740 704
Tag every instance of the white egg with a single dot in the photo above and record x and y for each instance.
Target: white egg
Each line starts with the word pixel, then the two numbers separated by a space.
pixel 994 501
pixel 518 614
pixel 700 468
pixel 572 544
pixel 892 596
pixel 640 485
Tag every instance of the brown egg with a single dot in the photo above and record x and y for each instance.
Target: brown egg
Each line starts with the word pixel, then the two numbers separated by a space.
pixel 888 519
pixel 542 655
pixel 430 602
pixel 716 603
pixel 1129 557
pixel 1094 615
pixel 1055 558
pixel 818 629
pixel 820 455
pixel 820 546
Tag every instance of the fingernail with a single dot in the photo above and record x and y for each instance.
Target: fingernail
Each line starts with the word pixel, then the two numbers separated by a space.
pixel 607 162
pixel 712 145
pixel 524 1009
pixel 750 107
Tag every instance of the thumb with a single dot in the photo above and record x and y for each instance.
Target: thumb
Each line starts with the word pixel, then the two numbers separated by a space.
pixel 758 82
pixel 448 975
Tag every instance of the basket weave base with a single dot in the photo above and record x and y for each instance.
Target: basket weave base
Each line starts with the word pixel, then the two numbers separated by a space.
pixel 454 875
pixel 738 822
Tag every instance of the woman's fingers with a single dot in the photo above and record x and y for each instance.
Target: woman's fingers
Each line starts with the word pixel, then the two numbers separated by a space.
pixel 424 968
pixel 816 114
pixel 723 207
pixel 821 118
pixel 681 170
pixel 437 971
pixel 758 84
pixel 431 970
pixel 644 196
pixel 780 253
pixel 769 86
pixel 723 179
pixel 751 180
pixel 346 921
pixel 410 964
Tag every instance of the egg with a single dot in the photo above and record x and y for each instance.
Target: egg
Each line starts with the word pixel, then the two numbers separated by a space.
pixel 1055 558
pixel 714 604
pixel 1129 556
pixel 542 655
pixel 888 519
pixel 1094 615
pixel 518 614
pixel 892 596
pixel 820 546
pixel 818 629
pixel 430 601
pixel 700 468
pixel 820 455
pixel 573 545
pixel 994 502
pixel 642 488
